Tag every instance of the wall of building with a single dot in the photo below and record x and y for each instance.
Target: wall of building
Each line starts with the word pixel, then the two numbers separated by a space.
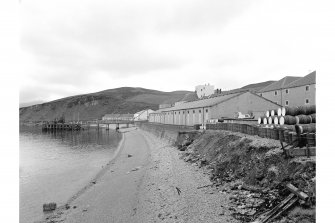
pixel 296 96
pixel 204 90
pixel 244 103
pixel 272 96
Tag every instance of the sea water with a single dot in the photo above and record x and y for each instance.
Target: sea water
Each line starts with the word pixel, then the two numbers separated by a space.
pixel 55 165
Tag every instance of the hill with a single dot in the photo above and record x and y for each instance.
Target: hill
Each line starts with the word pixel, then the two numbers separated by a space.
pixel 95 105
pixel 257 86
pixel 250 87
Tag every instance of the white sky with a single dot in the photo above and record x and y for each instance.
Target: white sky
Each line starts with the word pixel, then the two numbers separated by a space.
pixel 74 47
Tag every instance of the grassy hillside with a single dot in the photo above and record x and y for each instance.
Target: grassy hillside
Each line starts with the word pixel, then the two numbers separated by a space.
pixel 95 105
pixel 257 86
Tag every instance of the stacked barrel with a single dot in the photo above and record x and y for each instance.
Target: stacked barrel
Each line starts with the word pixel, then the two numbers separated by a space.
pixel 292 124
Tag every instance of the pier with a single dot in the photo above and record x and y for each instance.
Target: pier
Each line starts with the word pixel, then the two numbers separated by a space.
pixel 61 126
pixel 82 125
pixel 107 123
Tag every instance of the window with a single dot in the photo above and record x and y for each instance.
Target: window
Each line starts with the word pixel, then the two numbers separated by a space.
pixel 188 112
pixel 193 111
pixel 307 101
pixel 275 92
pixel 307 88
pixel 206 110
pixel 286 91
pixel 199 111
pixel 179 112
pixel 183 112
pixel 286 102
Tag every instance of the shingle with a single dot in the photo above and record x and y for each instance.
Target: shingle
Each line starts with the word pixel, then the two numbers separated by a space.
pixel 308 79
pixel 282 83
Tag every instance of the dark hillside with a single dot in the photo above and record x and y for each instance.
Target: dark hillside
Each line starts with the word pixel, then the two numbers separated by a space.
pixel 95 105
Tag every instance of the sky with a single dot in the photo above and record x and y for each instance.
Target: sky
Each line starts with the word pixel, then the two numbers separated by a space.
pixel 75 47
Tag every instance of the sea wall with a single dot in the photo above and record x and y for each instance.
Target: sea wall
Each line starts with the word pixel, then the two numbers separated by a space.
pixel 174 134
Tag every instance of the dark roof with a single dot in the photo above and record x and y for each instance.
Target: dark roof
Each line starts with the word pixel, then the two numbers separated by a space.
pixel 200 103
pixel 118 116
pixel 258 86
pixel 282 83
pixel 208 102
pixel 308 79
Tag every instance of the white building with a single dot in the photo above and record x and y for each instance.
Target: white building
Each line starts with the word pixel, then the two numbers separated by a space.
pixel 142 115
pixel 204 90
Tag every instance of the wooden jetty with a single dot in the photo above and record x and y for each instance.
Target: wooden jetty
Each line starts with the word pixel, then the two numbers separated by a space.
pixel 82 125
pixel 107 123
pixel 61 126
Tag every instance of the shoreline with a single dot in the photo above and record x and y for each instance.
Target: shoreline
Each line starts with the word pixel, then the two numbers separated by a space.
pixel 142 188
pixel 60 209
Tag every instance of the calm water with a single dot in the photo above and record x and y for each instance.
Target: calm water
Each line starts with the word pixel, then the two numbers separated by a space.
pixel 54 166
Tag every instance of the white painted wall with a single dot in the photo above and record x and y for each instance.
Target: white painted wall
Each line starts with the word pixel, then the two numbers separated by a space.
pixel 204 90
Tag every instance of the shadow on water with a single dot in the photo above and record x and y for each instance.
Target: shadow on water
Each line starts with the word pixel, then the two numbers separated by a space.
pixel 77 139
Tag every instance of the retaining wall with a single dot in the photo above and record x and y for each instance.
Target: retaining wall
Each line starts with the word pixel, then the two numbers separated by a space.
pixel 173 133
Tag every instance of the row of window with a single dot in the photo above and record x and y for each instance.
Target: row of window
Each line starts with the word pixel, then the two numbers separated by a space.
pixel 287 90
pixel 188 112
pixel 287 103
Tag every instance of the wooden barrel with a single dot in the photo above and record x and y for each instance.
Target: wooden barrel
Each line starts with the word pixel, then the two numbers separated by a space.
pixel 310 109
pixel 288 120
pixel 274 112
pixel 275 120
pixel 302 110
pixel 289 127
pixel 313 116
pixel 308 128
pixel 270 120
pixel 268 113
pixel 293 111
pixel 265 121
pixel 286 136
pixel 279 111
pixel 260 119
pixel 303 119
pixel 311 139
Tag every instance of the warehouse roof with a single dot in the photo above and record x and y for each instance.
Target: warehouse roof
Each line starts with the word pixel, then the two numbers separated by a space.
pixel 308 79
pixel 201 103
pixel 118 116
pixel 282 83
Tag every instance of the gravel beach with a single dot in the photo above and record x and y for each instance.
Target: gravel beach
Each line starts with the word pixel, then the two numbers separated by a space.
pixel 147 182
